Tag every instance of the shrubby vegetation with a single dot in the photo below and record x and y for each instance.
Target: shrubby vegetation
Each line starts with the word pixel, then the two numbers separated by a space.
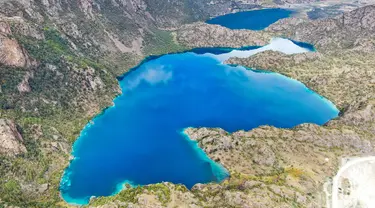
pixel 49 117
pixel 130 195
pixel 161 42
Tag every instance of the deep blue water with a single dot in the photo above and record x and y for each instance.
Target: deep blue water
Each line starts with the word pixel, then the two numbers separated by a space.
pixel 140 141
pixel 251 20
pixel 221 50
pixel 304 45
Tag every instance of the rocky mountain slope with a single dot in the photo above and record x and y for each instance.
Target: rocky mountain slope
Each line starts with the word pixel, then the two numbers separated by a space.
pixel 58 66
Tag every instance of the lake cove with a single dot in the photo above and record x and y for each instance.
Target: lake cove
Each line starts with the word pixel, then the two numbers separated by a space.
pixel 251 20
pixel 140 139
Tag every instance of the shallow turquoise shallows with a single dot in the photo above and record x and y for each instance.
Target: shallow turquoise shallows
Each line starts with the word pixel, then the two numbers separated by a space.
pixel 140 141
pixel 251 20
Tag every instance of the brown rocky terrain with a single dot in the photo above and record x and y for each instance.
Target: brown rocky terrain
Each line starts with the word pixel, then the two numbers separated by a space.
pixel 11 53
pixel 206 35
pixel 336 75
pixel 11 142
pixel 343 31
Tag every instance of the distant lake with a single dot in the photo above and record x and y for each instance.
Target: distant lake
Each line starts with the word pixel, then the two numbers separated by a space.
pixel 251 20
pixel 140 139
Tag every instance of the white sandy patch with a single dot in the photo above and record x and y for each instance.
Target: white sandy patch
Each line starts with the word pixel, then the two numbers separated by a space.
pixel 277 44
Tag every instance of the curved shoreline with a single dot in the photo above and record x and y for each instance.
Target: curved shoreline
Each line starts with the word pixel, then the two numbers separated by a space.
pixel 196 146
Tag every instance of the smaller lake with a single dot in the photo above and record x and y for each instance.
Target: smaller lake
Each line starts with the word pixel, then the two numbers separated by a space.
pixel 251 20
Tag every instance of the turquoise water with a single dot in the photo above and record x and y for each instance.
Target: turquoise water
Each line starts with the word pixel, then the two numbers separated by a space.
pixel 251 20
pixel 140 139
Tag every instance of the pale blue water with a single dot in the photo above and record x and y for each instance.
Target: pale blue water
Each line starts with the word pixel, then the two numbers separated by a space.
pixel 139 139
pixel 251 20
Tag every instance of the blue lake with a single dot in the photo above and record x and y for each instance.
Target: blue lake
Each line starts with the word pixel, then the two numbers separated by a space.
pixel 251 20
pixel 140 139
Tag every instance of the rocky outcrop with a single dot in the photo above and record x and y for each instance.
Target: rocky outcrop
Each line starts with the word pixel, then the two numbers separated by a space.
pixel 10 139
pixel 11 52
pixel 24 86
pixel 5 28
pixel 86 7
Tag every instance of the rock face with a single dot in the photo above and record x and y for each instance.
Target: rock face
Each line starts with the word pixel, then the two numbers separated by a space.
pixel 24 86
pixel 10 139
pixel 5 28
pixel 12 54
